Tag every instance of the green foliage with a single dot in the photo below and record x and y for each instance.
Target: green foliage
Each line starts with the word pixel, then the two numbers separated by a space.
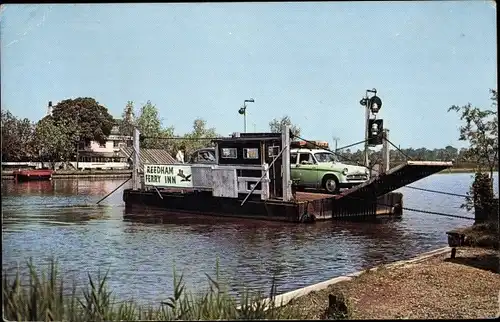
pixel 196 139
pixel 17 137
pixel 481 197
pixel 480 130
pixel 277 124
pixel 441 154
pixel 149 125
pixel 55 142
pixel 46 298
pixel 170 144
pixel 128 121
pixel 92 122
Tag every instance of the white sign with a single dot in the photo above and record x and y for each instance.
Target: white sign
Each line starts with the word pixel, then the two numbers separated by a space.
pixel 166 175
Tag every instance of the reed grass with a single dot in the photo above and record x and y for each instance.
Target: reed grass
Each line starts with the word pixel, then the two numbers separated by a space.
pixel 45 298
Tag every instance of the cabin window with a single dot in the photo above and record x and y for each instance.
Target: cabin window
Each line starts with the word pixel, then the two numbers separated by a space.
pixel 116 144
pixel 273 151
pixel 306 158
pixel 250 153
pixel 229 153
pixel 293 158
pixel 102 145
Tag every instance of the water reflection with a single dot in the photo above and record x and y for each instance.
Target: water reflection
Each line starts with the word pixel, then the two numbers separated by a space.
pixel 60 218
pixel 28 188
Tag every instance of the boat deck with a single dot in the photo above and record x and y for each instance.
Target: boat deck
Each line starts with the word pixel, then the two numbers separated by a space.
pixel 310 196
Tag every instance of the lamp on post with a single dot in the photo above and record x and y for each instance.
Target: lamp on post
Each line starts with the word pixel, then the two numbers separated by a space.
pixel 243 111
pixel 372 105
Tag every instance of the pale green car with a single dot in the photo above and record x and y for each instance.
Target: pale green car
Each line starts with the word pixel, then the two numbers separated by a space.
pixel 320 169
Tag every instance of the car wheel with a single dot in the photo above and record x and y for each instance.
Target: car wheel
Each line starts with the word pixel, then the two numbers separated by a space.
pixel 330 184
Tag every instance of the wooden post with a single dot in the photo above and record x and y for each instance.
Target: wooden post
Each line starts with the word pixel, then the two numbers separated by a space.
pixel 265 182
pixel 385 152
pixel 453 252
pixel 135 163
pixel 287 183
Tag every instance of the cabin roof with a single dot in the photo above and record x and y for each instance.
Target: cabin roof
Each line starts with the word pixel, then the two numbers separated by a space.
pixel 149 156
pixel 245 137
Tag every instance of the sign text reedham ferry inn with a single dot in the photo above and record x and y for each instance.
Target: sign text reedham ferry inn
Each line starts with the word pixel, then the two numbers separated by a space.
pixel 171 175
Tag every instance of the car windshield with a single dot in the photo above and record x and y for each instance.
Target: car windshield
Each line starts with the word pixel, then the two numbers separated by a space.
pixel 207 156
pixel 325 157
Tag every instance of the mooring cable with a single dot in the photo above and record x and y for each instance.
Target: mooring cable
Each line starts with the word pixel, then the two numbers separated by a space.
pixel 109 194
pixel 326 149
pixel 412 209
pixel 350 145
pixel 436 191
pixel 404 154
pixel 437 213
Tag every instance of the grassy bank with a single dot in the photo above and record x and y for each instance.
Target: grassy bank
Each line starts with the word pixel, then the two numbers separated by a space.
pixel 45 297
pixel 435 288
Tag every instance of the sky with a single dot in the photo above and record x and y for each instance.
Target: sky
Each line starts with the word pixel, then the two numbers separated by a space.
pixel 312 61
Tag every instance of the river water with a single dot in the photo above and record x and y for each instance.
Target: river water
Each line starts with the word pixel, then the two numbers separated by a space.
pixel 59 219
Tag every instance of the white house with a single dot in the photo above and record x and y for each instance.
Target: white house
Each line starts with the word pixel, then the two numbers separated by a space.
pixel 94 152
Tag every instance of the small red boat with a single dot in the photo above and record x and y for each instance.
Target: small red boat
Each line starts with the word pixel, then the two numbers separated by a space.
pixel 35 174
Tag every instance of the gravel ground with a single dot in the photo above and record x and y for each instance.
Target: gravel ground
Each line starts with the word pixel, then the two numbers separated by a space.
pixel 466 287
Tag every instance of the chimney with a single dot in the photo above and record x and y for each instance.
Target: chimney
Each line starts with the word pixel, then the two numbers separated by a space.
pixel 49 108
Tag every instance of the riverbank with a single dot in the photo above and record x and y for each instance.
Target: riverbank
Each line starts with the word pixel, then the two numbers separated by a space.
pixel 429 287
pixel 87 174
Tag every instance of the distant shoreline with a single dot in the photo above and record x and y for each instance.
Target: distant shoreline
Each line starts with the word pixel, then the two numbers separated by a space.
pixel 124 174
pixel 72 174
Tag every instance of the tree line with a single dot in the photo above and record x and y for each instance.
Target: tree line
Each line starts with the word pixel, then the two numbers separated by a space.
pixel 75 122
pixel 78 121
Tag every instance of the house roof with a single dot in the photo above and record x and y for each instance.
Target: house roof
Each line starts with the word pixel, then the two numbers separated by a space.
pixel 149 156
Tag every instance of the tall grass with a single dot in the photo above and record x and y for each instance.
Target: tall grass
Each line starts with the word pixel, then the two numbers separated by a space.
pixel 45 298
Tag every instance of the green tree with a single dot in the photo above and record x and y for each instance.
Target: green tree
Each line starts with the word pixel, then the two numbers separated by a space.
pixel 480 130
pixel 55 142
pixel 92 122
pixel 168 140
pixel 128 122
pixel 199 137
pixel 17 137
pixel 149 125
pixel 450 153
pixel 277 124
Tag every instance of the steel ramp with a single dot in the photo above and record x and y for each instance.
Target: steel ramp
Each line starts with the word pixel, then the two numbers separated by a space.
pixel 393 179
